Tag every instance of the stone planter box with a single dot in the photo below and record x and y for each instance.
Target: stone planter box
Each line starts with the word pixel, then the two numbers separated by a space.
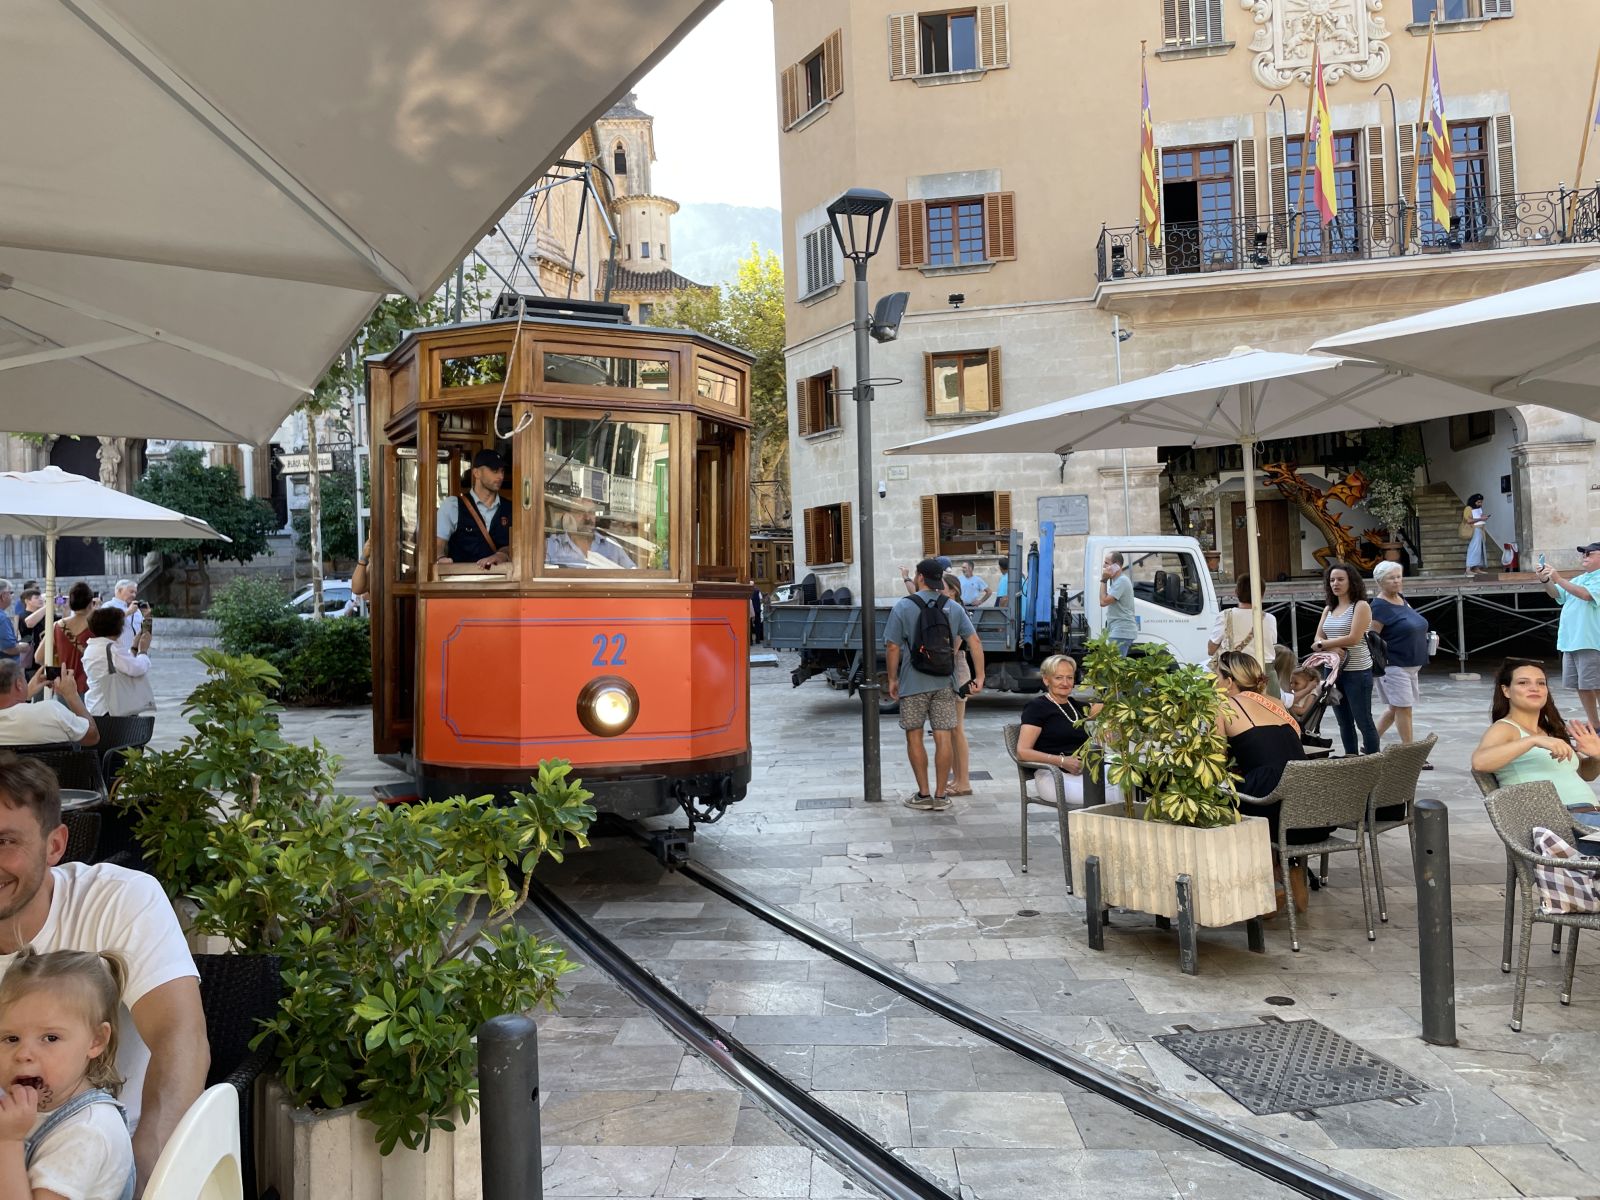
pixel 1229 867
pixel 333 1155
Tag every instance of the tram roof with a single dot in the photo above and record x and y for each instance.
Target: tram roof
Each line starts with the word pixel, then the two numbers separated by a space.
pixel 567 323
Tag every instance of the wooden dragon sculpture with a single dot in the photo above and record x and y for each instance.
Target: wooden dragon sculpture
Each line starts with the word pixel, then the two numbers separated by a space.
pixel 1313 502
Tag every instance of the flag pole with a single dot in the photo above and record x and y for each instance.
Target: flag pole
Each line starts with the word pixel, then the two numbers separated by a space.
pixel 1306 148
pixel 1583 147
pixel 1422 130
pixel 1144 241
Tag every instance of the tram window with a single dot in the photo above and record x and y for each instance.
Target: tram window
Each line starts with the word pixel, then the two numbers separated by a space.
pixel 600 370
pixel 472 370
pixel 718 387
pixel 607 494
pixel 713 509
pixel 406 516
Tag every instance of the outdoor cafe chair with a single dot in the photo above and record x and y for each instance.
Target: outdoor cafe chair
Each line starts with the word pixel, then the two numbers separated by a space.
pixel 83 835
pixel 76 768
pixel 118 735
pixel 1487 784
pixel 1052 785
pixel 1392 805
pixel 201 1159
pixel 1314 795
pixel 1515 812
pixel 237 993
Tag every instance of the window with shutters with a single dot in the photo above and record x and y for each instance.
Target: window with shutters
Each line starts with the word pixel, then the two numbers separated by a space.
pixel 1340 238
pixel 949 42
pixel 813 72
pixel 1474 214
pixel 1200 228
pixel 970 231
pixel 829 537
pixel 817 399
pixel 967 381
pixel 1189 23
pixel 821 270
pixel 812 82
pixel 959 524
pixel 1460 10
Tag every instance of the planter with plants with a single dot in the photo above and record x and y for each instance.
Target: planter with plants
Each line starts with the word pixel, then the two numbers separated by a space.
pixel 396 925
pixel 1390 458
pixel 1158 738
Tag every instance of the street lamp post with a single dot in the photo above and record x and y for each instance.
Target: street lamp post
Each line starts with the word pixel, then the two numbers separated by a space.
pixel 859 218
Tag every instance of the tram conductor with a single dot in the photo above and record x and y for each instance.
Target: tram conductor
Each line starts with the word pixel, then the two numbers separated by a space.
pixel 476 526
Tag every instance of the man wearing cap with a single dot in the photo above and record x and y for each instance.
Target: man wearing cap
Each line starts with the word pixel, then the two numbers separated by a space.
pixel 1578 635
pixel 475 527
pixel 909 581
pixel 577 542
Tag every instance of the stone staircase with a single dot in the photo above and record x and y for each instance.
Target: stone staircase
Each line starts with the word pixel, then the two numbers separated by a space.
pixel 1444 552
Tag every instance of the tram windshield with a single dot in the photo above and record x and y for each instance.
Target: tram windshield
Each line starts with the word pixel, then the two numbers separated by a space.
pixel 607 494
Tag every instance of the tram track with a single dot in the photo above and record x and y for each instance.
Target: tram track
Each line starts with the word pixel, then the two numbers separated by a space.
pixel 851 1147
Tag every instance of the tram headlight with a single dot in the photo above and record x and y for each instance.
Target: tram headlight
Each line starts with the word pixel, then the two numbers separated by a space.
pixel 608 706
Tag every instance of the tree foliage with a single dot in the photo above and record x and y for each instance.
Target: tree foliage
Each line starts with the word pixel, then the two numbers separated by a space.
pixel 183 483
pixel 748 313
pixel 338 518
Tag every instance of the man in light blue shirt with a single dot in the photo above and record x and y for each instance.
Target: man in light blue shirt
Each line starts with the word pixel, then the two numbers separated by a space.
pixel 1116 596
pixel 1578 634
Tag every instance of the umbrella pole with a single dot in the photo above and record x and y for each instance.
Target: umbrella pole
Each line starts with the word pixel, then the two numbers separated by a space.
pixel 50 593
pixel 1248 443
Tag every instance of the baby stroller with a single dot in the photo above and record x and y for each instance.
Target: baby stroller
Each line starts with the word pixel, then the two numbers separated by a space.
pixel 1325 695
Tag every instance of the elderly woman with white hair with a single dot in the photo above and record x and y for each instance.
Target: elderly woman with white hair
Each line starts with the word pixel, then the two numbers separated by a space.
pixel 1405 635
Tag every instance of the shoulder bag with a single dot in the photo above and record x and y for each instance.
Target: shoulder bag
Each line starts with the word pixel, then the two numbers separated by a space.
pixel 126 695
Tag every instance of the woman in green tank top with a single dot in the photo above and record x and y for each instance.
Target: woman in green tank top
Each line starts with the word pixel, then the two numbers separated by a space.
pixel 1529 741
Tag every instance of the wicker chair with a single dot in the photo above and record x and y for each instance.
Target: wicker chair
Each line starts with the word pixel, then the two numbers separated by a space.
pixel 74 767
pixel 83 835
pixel 1393 804
pixel 1514 812
pixel 1487 784
pixel 117 736
pixel 1057 779
pixel 238 992
pixel 1314 795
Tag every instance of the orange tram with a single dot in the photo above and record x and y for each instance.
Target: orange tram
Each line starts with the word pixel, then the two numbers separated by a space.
pixel 560 558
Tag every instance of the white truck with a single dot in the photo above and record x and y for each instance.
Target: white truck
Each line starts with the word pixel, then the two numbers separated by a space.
pixel 1175 604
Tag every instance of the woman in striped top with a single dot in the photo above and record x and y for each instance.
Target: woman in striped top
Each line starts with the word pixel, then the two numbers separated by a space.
pixel 1343 628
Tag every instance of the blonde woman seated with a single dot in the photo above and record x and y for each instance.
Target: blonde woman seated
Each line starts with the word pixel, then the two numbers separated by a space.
pixel 1053 733
pixel 1262 737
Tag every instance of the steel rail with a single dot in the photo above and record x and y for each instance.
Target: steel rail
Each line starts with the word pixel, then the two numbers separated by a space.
pixel 829 1133
pixel 1256 1154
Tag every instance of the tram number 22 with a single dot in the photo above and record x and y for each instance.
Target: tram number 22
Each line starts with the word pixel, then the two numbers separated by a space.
pixel 615 644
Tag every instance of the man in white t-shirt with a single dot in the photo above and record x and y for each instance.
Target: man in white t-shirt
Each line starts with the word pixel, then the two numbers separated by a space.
pixel 162 1049
pixel 45 723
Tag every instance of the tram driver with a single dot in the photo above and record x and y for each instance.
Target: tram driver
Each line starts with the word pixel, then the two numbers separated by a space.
pixel 475 526
pixel 576 541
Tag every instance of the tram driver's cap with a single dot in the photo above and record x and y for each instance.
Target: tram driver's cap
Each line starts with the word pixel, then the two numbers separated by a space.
pixel 490 459
pixel 1590 548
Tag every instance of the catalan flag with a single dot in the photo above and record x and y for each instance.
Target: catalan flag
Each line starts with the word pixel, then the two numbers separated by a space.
pixel 1442 164
pixel 1324 187
pixel 1149 185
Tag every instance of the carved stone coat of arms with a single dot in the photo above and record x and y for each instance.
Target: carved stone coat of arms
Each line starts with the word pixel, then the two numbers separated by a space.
pixel 1350 32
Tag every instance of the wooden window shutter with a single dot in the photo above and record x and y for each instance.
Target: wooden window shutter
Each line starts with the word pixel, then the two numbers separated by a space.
pixel 847 535
pixel 1406 188
pixel 1505 157
pixel 802 401
pixel 792 103
pixel 1002 512
pixel 1378 182
pixel 1000 226
pixel 903 48
pixel 913 232
pixel 927 384
pixel 1169 20
pixel 1249 187
pixel 930 526
pixel 1278 190
pixel 829 407
pixel 833 65
pixel 994 36
pixel 994 379
pixel 1498 8
pixel 809 523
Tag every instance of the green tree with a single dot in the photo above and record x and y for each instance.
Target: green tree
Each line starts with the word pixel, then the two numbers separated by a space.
pixel 338 517
pixel 184 483
pixel 748 313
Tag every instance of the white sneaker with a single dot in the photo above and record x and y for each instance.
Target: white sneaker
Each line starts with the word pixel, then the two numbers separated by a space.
pixel 927 803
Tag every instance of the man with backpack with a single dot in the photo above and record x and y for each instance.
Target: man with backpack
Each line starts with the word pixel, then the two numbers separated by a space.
pixel 924 634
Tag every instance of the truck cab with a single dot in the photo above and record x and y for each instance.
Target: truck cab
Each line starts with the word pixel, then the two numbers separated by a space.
pixel 1174 600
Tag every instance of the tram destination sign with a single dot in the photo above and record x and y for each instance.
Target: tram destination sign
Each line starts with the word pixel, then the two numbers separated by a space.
pixel 300 464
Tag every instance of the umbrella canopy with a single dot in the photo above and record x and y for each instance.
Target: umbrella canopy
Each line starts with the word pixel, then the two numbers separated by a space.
pixel 1243 398
pixel 199 205
pixel 1532 345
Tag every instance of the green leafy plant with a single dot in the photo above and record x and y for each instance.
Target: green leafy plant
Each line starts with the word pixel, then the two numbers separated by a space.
pixel 333 662
pixel 254 617
pixel 397 925
pixel 1390 457
pixel 1159 732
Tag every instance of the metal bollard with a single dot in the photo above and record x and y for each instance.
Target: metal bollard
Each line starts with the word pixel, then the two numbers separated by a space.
pixel 508 1095
pixel 1435 925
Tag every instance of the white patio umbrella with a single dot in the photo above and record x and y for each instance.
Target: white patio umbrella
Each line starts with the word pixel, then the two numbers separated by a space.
pixel 201 203
pixel 1532 345
pixel 1249 396
pixel 55 504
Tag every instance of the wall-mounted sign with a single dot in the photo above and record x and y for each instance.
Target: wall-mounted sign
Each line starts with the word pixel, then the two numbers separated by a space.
pixel 1070 513
pixel 300 464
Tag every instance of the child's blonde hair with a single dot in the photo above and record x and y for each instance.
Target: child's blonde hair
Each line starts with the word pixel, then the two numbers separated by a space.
pixel 96 980
pixel 1302 673
pixel 1284 662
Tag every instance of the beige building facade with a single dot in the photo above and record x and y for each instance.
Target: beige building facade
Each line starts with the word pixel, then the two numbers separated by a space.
pixel 1008 136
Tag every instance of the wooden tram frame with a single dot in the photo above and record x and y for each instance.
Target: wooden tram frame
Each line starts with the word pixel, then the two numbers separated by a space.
pixel 689 747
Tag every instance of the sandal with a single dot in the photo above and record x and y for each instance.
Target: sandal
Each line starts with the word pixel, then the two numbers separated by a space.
pixel 955 791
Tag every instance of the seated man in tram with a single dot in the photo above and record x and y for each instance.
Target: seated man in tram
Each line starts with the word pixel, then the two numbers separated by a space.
pixel 575 541
pixel 475 526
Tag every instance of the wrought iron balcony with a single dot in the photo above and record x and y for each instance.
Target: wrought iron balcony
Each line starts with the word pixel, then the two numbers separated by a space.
pixel 1363 233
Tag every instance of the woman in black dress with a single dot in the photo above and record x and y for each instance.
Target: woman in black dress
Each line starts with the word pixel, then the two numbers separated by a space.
pixel 1053 732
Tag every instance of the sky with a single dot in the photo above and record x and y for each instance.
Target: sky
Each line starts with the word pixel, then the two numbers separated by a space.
pixel 715 102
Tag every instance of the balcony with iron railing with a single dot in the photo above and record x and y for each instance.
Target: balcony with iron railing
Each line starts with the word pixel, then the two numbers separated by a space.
pixel 1370 233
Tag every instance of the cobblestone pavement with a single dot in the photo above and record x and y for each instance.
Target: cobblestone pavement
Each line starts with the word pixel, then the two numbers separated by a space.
pixel 627 1114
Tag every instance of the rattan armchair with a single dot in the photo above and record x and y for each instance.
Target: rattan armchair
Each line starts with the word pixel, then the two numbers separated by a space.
pixel 1056 788
pixel 1487 784
pixel 1393 804
pixel 1514 812
pixel 238 992
pixel 83 835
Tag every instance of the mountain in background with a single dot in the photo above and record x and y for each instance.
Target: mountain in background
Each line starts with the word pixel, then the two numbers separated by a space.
pixel 708 240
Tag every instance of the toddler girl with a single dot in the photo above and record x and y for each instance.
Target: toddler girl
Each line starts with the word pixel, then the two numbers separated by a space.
pixel 61 1129
pixel 1304 682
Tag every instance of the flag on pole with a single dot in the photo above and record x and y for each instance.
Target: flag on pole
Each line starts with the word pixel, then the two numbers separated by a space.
pixel 1441 158
pixel 1149 187
pixel 1324 187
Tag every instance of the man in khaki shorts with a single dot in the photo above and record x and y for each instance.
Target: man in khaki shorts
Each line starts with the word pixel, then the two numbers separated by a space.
pixel 929 697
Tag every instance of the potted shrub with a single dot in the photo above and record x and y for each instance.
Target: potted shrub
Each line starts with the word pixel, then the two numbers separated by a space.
pixel 1389 461
pixel 396 925
pixel 1158 737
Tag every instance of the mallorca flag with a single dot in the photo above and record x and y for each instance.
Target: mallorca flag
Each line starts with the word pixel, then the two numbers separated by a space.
pixel 1443 164
pixel 1324 187
pixel 1149 188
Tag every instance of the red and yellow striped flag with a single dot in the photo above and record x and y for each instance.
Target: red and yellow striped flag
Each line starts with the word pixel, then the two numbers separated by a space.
pixel 1324 187
pixel 1442 158
pixel 1149 186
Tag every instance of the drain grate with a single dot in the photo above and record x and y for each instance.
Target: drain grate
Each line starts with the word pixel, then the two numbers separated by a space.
pixel 1290 1066
pixel 824 802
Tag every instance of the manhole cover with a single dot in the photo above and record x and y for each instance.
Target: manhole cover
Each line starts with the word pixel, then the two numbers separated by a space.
pixel 1289 1066
pixel 824 802
pixel 1281 1001
pixel 1027 912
